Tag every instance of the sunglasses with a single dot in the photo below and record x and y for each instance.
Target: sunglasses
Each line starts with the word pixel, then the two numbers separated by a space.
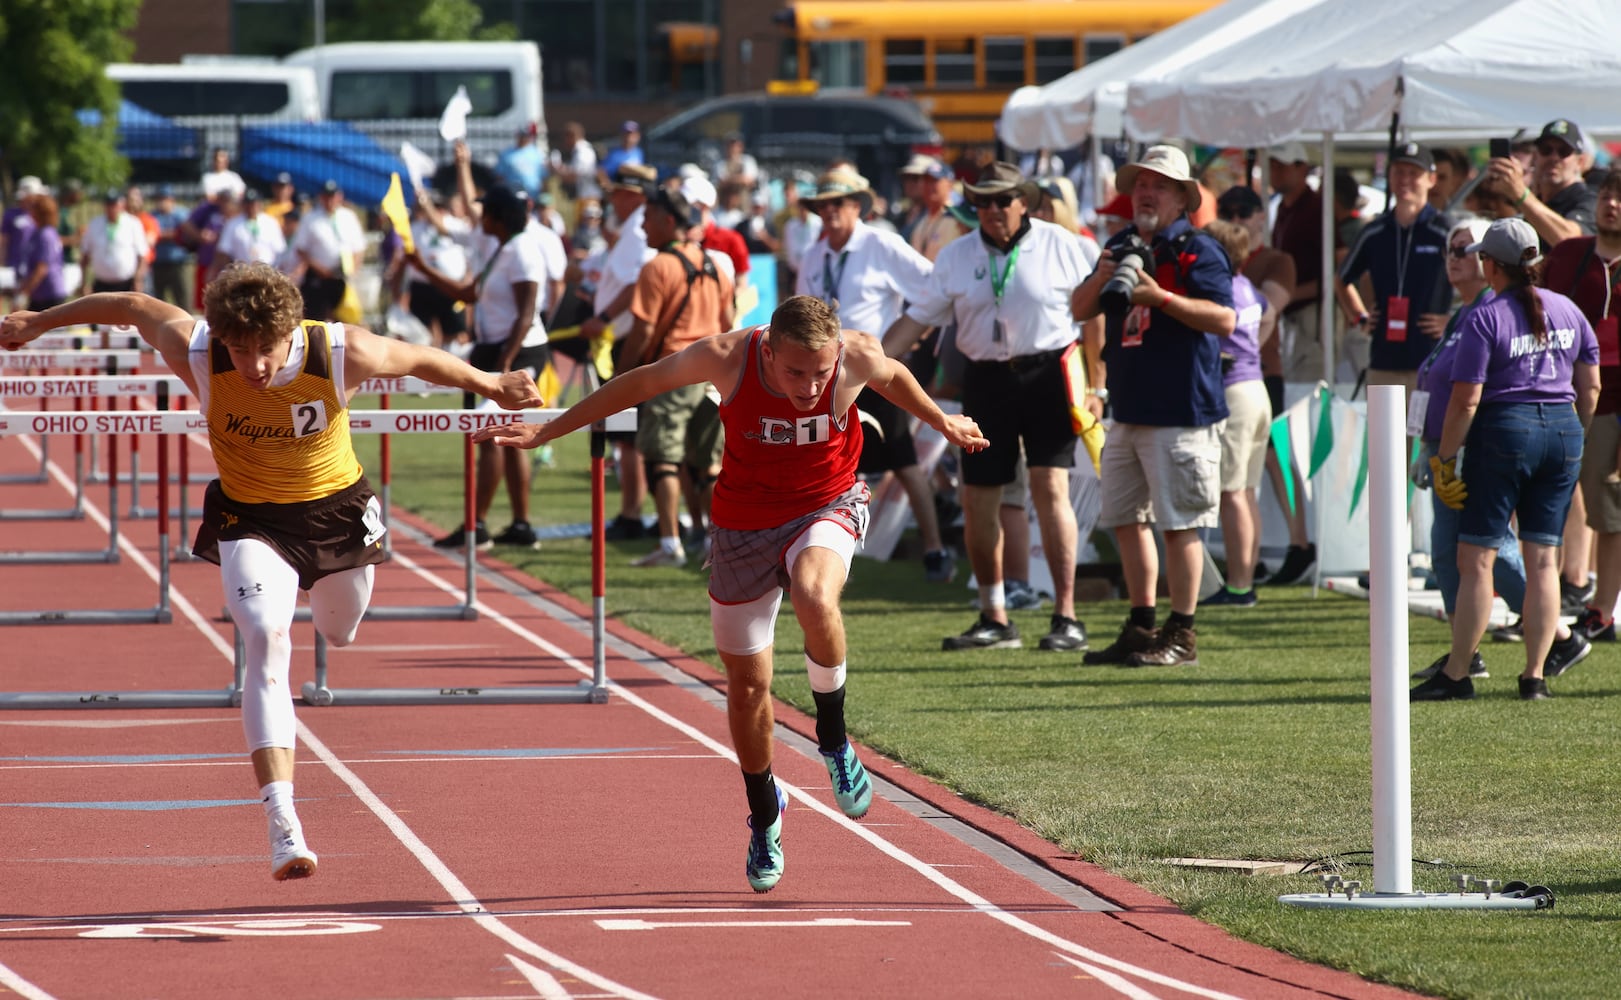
pixel 1549 149
pixel 1458 251
pixel 998 200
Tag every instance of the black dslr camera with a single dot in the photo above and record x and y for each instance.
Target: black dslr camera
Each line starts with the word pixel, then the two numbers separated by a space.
pixel 1132 256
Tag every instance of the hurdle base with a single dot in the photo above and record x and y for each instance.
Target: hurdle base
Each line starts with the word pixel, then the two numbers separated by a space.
pixel 1419 901
pixel 224 698
pixel 101 556
pixel 109 616
pixel 583 693
pixel 64 514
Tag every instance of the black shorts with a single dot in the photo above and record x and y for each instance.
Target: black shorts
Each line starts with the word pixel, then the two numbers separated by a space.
pixel 889 446
pixel 487 358
pixel 316 537
pixel 1024 399
pixel 429 303
pixel 1274 392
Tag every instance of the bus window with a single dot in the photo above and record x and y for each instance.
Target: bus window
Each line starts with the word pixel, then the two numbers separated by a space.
pixel 686 48
pixel 358 96
pixel 1055 57
pixel 954 62
pixel 1101 46
pixel 904 61
pixel 838 64
pixel 489 90
pixel 1004 61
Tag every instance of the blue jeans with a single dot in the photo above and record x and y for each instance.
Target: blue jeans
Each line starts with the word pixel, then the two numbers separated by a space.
pixel 1520 459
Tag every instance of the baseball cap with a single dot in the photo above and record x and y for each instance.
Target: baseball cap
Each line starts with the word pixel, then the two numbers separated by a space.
pixel 111 195
pixel 284 178
pixel 919 164
pixel 330 186
pixel 1293 151
pixel 251 194
pixel 676 203
pixel 1412 152
pixel 1509 241
pixel 938 171
pixel 699 192
pixel 29 186
pixel 630 125
pixel 1567 132
pixel 165 191
pixel 1238 202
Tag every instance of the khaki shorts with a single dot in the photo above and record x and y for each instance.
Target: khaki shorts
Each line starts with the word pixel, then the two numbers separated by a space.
pixel 1304 361
pixel 679 427
pixel 1165 475
pixel 1601 486
pixel 1244 439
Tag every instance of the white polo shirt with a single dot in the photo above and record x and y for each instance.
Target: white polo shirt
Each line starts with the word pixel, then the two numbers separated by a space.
pixel 1035 307
pixel 872 277
pixel 621 266
pixel 258 239
pixel 327 239
pixel 114 248
pixel 497 267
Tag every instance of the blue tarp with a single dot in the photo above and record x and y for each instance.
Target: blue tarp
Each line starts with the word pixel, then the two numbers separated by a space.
pixel 143 135
pixel 314 153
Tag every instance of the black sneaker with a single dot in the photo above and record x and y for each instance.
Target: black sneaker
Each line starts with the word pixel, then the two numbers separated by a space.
pixel 1173 647
pixel 1443 688
pixel 1477 668
pixel 456 539
pixel 1591 624
pixel 1067 635
pixel 1509 633
pixel 939 566
pixel 1566 653
pixel 1132 639
pixel 986 634
pixel 1225 598
pixel 1534 689
pixel 1296 564
pixel 518 533
pixel 1572 599
pixel 624 529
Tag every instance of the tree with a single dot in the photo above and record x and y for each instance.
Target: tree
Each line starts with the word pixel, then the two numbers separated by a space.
pixel 410 21
pixel 53 55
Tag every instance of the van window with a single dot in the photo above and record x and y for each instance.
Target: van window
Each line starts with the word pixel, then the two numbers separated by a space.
pixel 200 98
pixel 369 94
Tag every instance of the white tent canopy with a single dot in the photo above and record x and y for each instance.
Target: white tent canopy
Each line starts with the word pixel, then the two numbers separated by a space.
pixel 1092 99
pixel 1471 67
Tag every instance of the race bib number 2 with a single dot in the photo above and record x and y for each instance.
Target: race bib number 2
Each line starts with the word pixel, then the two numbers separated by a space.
pixel 309 418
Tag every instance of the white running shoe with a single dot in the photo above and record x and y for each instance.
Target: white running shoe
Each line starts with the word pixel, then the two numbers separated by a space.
pixel 662 556
pixel 289 856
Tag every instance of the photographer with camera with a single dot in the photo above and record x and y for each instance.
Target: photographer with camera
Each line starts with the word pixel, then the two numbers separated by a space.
pixel 1007 287
pixel 1165 291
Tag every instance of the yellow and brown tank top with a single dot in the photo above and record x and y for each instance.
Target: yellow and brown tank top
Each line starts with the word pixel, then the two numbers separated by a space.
pixel 288 442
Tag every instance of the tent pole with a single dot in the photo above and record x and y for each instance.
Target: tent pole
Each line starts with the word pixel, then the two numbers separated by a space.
pixel 1325 285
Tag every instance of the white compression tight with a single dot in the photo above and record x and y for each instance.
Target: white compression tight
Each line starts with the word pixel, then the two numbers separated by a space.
pixel 261 592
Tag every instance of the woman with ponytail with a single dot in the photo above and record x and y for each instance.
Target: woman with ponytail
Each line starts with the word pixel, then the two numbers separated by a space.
pixel 1524 385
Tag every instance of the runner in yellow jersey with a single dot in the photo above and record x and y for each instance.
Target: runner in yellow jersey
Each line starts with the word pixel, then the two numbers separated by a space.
pixel 291 509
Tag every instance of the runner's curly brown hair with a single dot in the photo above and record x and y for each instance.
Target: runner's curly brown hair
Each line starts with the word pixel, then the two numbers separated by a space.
pixel 805 321
pixel 252 305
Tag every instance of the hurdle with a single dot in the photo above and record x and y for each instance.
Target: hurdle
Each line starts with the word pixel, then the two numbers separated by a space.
pixel 170 422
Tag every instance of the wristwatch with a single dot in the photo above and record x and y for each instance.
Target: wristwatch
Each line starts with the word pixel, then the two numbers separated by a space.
pixel 1102 394
pixel 603 318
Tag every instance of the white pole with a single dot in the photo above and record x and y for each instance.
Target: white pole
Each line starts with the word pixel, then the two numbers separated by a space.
pixel 1325 284
pixel 1388 612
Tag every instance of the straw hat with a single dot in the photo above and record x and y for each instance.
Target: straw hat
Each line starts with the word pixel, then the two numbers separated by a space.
pixel 1167 161
pixel 842 182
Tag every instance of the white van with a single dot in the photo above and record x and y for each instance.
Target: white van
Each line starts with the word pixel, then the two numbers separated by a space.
pixel 218 97
pixel 397 90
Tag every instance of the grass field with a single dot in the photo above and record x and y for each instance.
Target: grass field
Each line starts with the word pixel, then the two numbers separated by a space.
pixel 1261 752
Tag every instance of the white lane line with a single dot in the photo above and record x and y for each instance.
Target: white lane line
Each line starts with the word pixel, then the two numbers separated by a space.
pixel 894 852
pixel 20 986
pixel 1118 983
pixel 459 893
pixel 653 925
pixel 545 986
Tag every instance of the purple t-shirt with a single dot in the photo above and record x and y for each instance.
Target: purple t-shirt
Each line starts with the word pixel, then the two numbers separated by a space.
pixel 1435 374
pixel 44 247
pixel 1244 346
pixel 15 223
pixel 207 217
pixel 1497 350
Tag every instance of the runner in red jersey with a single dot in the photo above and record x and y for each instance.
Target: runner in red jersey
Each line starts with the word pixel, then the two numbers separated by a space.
pixel 788 512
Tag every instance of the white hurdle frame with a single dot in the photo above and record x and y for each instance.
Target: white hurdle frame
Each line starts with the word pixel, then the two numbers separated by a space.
pixel 180 422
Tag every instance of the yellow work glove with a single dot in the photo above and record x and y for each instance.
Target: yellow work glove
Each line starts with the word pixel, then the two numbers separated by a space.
pixel 1446 483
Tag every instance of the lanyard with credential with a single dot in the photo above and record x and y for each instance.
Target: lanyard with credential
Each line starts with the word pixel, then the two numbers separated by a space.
pixel 998 284
pixel 831 279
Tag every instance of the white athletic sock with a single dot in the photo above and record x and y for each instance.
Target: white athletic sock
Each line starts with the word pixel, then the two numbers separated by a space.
pixel 992 596
pixel 278 800
pixel 670 543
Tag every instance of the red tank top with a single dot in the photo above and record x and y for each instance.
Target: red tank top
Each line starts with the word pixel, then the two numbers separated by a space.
pixel 781 462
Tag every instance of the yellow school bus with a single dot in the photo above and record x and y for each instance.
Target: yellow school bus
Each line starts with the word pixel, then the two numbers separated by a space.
pixel 961 58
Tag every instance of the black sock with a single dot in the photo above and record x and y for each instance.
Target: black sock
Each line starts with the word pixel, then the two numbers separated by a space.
pixel 762 793
pixel 1177 619
pixel 1142 617
pixel 830 734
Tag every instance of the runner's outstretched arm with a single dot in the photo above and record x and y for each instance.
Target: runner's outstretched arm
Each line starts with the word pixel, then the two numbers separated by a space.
pixel 167 328
pixel 371 356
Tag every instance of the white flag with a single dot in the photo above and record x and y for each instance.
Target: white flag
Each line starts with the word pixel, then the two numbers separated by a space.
pixel 453 122
pixel 419 166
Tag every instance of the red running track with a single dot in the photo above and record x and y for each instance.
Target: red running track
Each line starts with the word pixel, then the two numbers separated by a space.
pixel 555 851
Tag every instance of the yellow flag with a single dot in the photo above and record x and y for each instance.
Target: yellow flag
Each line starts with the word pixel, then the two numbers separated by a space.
pixel 394 207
